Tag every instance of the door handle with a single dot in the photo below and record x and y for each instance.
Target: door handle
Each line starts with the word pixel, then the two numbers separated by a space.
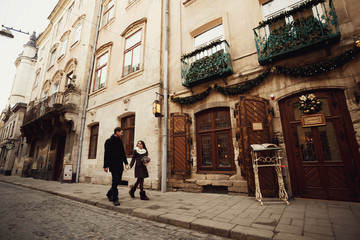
pixel 297 154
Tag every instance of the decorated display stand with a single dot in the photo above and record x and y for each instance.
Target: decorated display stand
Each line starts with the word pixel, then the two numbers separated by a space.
pixel 267 155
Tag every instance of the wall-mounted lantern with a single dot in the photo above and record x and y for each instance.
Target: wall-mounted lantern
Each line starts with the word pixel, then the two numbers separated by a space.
pixel 156 106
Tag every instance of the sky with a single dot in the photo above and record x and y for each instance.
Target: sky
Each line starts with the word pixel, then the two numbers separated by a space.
pixel 24 15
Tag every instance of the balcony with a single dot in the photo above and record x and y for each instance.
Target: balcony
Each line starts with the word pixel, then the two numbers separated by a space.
pixel 41 108
pixel 306 26
pixel 205 64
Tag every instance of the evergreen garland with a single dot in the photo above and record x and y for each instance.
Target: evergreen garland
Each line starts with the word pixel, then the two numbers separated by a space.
pixel 305 71
pixel 192 99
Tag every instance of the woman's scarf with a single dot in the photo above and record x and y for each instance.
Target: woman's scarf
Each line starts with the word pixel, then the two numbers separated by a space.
pixel 140 151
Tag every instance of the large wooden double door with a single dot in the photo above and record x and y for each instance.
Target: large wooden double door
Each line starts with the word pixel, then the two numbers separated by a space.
pixel 323 158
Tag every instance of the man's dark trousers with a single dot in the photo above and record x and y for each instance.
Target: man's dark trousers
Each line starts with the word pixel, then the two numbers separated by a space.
pixel 116 178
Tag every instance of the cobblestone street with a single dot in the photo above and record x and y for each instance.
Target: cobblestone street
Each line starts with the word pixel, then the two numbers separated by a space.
pixel 30 214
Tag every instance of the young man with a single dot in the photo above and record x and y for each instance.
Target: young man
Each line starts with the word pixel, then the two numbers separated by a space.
pixel 114 158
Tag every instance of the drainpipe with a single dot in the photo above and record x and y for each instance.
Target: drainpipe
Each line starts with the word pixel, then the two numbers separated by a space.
pixel 165 130
pixel 83 117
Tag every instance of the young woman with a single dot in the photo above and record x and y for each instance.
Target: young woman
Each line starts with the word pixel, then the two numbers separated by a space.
pixel 140 169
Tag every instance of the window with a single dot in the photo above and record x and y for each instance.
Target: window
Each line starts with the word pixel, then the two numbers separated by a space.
pixel 108 12
pixel 36 82
pixel 69 13
pixel 213 34
pixel 77 33
pixel 69 78
pixel 132 53
pixel 128 126
pixel 214 140
pixel 100 72
pixel 94 133
pixel 58 27
pixel 81 3
pixel 63 46
pixel 12 129
pixel 52 58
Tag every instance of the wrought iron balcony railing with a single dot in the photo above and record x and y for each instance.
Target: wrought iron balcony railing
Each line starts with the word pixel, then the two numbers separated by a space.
pixel 207 63
pixel 307 25
pixel 40 108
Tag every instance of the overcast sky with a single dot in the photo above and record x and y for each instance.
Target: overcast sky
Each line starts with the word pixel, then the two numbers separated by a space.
pixel 29 16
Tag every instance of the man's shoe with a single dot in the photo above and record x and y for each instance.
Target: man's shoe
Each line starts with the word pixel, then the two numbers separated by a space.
pixel 109 196
pixel 116 203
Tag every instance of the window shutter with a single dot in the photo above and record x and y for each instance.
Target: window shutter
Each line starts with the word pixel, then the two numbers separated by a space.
pixel 180 143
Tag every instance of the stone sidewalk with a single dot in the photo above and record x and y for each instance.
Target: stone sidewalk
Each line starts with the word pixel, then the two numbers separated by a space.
pixel 233 216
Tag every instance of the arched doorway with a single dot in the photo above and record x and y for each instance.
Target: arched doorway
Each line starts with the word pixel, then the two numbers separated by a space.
pixel 321 147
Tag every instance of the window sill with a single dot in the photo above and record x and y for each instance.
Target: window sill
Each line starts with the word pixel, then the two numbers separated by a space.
pixel 216 172
pixel 131 4
pixel 130 76
pixel 97 92
pixel 188 2
pixel 108 23
pixel 74 45
pixel 60 58
pixel 50 67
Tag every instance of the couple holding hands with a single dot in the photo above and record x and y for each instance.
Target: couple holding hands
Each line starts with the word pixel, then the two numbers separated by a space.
pixel 114 160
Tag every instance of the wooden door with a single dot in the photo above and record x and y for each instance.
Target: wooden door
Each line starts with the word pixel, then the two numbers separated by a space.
pixel 180 143
pixel 323 159
pixel 254 123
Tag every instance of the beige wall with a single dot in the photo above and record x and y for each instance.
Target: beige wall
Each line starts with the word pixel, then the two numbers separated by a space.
pixel 239 18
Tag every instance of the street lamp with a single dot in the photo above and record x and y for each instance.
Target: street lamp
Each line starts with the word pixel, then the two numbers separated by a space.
pixel 6 33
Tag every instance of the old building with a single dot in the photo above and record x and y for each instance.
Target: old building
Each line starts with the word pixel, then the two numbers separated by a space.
pixel 11 141
pixel 268 71
pixel 126 79
pixel 53 120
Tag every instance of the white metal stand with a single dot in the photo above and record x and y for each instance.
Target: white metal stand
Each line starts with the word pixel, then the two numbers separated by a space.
pixel 268 161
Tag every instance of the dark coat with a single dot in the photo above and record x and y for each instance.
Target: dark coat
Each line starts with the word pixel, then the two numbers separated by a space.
pixel 114 156
pixel 140 168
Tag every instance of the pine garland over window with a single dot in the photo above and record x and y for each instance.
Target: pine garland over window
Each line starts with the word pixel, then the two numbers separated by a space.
pixel 304 71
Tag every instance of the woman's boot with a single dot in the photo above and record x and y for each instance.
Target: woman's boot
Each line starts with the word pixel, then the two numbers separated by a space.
pixel 132 191
pixel 143 196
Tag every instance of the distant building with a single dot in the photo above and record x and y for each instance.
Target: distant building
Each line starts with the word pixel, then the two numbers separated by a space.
pixel 11 142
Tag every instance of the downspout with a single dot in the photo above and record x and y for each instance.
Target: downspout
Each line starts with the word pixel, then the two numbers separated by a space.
pixel 165 129
pixel 83 117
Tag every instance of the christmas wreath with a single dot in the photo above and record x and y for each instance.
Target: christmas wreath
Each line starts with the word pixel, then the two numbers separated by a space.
pixel 309 104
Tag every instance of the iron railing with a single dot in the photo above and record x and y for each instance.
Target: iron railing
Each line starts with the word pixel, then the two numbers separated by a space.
pixel 309 24
pixel 208 63
pixel 37 109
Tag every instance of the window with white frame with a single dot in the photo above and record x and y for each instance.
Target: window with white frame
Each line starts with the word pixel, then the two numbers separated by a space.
pixel 101 72
pixel 108 13
pixel 77 33
pixel 132 53
pixel 63 46
pixel 37 77
pixel 81 3
pixel 58 27
pixel 213 34
pixel 69 13
pixel 52 58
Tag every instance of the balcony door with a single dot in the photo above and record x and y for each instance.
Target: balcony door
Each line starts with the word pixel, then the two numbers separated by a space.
pixel 323 158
